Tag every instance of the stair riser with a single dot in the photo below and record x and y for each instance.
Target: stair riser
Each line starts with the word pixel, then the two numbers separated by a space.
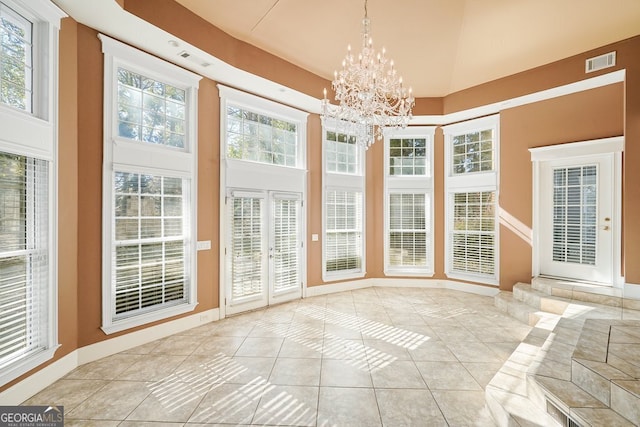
pixel 591 382
pixel 550 305
pixel 625 403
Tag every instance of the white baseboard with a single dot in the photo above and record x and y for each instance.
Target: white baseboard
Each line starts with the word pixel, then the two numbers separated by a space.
pixel 35 383
pixel 631 290
pixel 402 283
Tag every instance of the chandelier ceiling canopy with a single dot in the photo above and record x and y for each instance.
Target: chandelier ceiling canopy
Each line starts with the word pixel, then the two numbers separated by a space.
pixel 369 92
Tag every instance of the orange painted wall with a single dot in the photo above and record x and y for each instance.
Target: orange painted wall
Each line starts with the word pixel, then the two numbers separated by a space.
pixel 593 114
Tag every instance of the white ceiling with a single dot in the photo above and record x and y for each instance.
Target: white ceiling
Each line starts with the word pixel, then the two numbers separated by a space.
pixel 439 46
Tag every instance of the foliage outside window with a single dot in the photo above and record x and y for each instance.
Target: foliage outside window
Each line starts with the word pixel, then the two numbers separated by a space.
pixel 150 110
pixel 260 138
pixel 341 153
pixel 407 156
pixel 16 74
pixel 473 152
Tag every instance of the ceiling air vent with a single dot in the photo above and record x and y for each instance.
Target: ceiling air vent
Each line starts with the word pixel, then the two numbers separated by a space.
pixel 599 62
pixel 193 58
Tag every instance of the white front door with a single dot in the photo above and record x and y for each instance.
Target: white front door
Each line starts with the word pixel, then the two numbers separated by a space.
pixel 264 249
pixel 576 211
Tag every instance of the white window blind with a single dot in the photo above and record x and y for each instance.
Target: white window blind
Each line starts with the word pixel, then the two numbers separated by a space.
pixel 473 236
pixel 16 72
pixel 24 287
pixel 286 233
pixel 344 246
pixel 150 234
pixel 409 229
pixel 247 246
pixel 575 214
pixel 261 138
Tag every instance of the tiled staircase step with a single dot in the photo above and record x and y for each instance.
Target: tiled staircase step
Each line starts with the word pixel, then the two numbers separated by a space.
pixel 625 399
pixel 505 302
pixel 595 378
pixel 599 417
pixel 525 293
pixel 565 394
pixel 598 294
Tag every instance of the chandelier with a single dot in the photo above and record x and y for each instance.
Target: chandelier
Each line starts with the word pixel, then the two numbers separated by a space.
pixel 369 93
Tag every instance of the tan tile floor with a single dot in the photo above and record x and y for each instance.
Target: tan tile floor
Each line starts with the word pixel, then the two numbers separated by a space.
pixel 377 356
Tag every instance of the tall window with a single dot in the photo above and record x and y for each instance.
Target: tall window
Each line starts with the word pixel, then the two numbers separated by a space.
pixel 15 59
pixel 472 200
pixel 409 202
pixel 28 328
pixel 343 254
pixel 149 188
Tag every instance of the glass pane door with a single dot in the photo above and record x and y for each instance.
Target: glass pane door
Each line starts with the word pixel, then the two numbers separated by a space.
pixel 286 244
pixel 264 249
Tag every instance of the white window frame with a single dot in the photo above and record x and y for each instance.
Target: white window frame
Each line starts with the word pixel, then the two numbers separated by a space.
pixel 410 184
pixel 34 134
pixel 124 155
pixel 469 183
pixel 336 181
pixel 238 176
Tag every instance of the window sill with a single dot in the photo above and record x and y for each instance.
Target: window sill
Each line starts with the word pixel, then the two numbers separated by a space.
pixel 328 278
pixel 484 280
pixel 408 273
pixel 143 319
pixel 26 364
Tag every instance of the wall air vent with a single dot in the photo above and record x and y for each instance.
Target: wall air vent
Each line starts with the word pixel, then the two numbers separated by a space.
pixel 560 416
pixel 599 62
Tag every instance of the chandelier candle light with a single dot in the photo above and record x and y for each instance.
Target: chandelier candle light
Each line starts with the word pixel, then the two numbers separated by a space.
pixel 370 94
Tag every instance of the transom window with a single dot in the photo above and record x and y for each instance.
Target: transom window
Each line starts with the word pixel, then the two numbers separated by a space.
pixel 408 156
pixel 261 138
pixel 150 110
pixel 341 153
pixel 473 152
pixel 16 47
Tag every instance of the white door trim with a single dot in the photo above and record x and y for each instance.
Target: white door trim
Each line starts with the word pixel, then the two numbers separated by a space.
pixel 615 146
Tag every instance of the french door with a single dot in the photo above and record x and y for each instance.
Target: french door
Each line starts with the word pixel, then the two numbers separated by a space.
pixel 576 212
pixel 263 249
